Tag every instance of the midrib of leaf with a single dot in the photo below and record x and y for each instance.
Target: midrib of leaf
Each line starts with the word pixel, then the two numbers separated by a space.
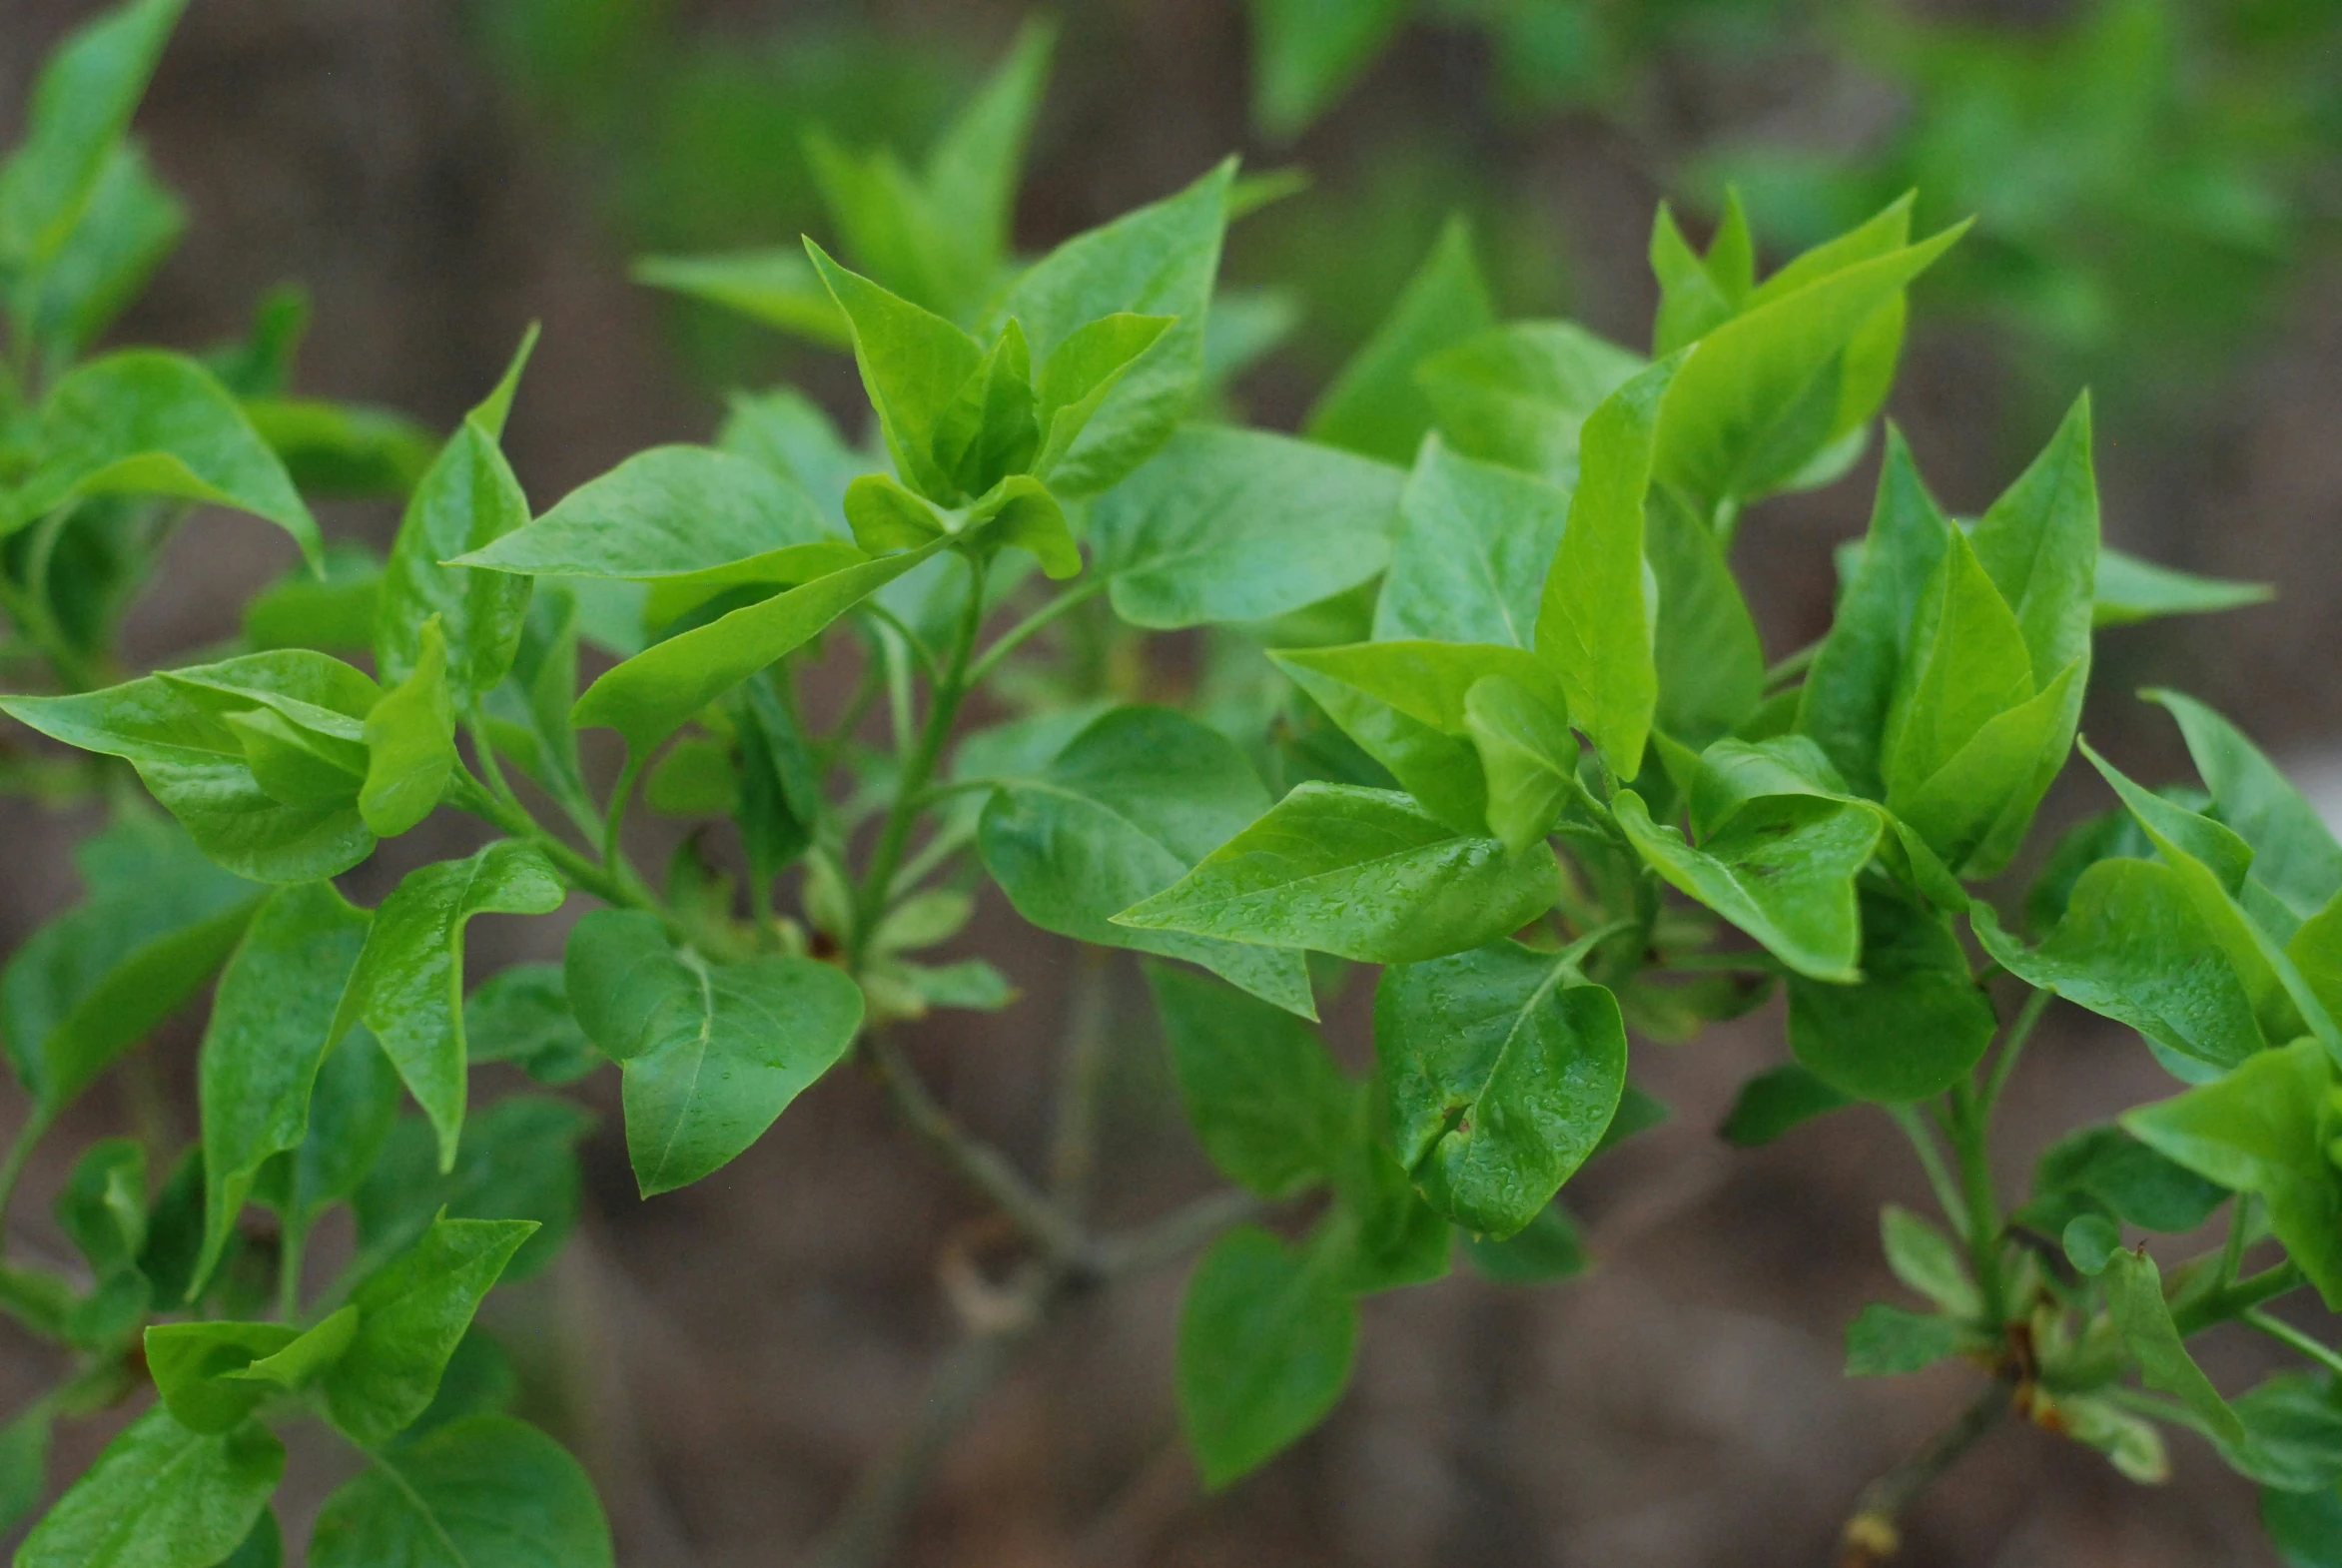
pixel 2066 466
pixel 415 1501
pixel 1347 867
pixel 699 1048
pixel 128 1522
pixel 1095 803
pixel 1520 1021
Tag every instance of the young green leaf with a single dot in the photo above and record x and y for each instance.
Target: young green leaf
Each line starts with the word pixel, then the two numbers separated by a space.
pixel 1927 1261
pixel 1782 870
pixel 1775 1100
pixel 159 920
pixel 2102 1167
pixel 270 1023
pixel 1098 821
pixel 1157 261
pixel 712 1053
pixel 146 423
pixel 2129 590
pixel 1242 526
pixel 1851 687
pixel 130 225
pixel 1475 543
pixel 1519 394
pixel 408 984
pixel 353 1105
pixel 2257 1130
pixel 411 1313
pixel 518 1161
pixel 2134 1297
pixel 160 1496
pixel 649 696
pixel 991 428
pixel 192 1362
pixel 411 742
pixel 776 285
pixel 102 1209
pixel 1528 755
pixel 467 499
pixel 344 451
pixel 1305 56
pixel 1267 1102
pixel 2294 854
pixel 1265 1342
pixel 1503 1068
pixel 333 616
pixel 2039 544
pixel 1360 873
pixel 1710 665
pixel 973 167
pixel 1915 1024
pixel 1888 1342
pixel 912 364
pixel 81 106
pixel 1595 624
pixel 1373 407
pixel 520 1014
pixel 485 1490
pixel 1698 293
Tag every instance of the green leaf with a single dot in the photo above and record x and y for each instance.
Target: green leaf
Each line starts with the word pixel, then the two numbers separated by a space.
pixel 1971 668
pixel 344 451
pixel 1710 662
pixel 520 1014
pixel 2129 590
pixel 147 422
pixel 353 1105
pixel 1927 1261
pixel 2292 1432
pixel 1768 390
pixel 777 287
pixel 1595 624
pixel 102 1207
pixel 1915 1024
pixel 81 106
pixel 1267 1102
pixel 1528 755
pixel 1503 1068
pixel 1360 873
pixel 411 1313
pixel 467 499
pixel 1404 703
pixel 1157 261
pixel 1475 543
pixel 2294 854
pixel 486 1491
pixel 272 1021
pixel 529 715
pixel 689 519
pixel 176 730
pixel 518 1161
pixel 194 1366
pixel 479 1379
pixel 2134 1297
pixel 1698 293
pixel 2256 1130
pixel 1519 394
pixel 92 982
pixel 712 1053
pixel 1265 1343
pixel 991 428
pixel 1775 1100
pixel 912 364
pixel 1307 53
pixel 335 615
pixel 2105 1167
pixel 1374 405
pixel 128 227
pixel 649 696
pixel 408 984
pixel 24 1465
pixel 1782 868
pixel 973 167
pixel 2135 946
pixel 1887 1341
pixel 1545 1252
pixel 2039 544
pixel 1092 823
pixel 264 1545
pixel 2305 1527
pixel 1083 371
pixel 1242 526
pixel 160 1496
pixel 1851 687
pixel 411 742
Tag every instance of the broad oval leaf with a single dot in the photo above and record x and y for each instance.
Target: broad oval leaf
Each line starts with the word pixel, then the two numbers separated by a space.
pixel 1265 1342
pixel 484 1491
pixel 1474 544
pixel 411 1312
pixel 1266 1101
pixel 160 1496
pixel 1914 1025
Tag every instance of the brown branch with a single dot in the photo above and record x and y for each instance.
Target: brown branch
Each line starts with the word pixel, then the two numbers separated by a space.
pixel 1873 1533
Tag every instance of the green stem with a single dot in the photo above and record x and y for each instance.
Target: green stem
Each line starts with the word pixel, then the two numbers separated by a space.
pixel 2235 1300
pixel 1971 1144
pixel 1007 641
pixel 614 817
pixel 2020 1030
pixel 1790 667
pixel 2232 1249
pixel 894 834
pixel 19 1154
pixel 1922 1143
pixel 910 639
pixel 2286 1334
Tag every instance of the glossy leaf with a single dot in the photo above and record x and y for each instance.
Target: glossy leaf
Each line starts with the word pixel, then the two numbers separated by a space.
pixel 2294 853
pixel 1092 824
pixel 486 1492
pixel 191 1363
pixel 1242 526
pixel 146 423
pixel 1782 870
pixel 408 984
pixel 1267 1102
pixel 411 742
pixel 1503 1068
pixel 712 1053
pixel 411 1314
pixel 1596 622
pixel 1360 873
pixel 272 1021
pixel 1528 755
pixel 1159 259
pixel 160 1496
pixel 1710 665
pixel 1265 1343
pixel 1518 395
pixel 1474 544
pixel 2039 544
pixel 1373 407
pixel 1915 1024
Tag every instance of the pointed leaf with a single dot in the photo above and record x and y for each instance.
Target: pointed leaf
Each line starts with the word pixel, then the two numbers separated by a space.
pixel 1519 394
pixel 1373 407
pixel 411 1314
pixel 1265 1344
pixel 1475 543
pixel 1266 1101
pixel 410 743
pixel 160 1496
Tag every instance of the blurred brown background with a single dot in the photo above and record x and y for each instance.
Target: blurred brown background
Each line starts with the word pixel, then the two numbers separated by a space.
pixel 726 1357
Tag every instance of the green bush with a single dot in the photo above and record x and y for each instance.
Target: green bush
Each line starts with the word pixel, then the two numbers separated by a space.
pixel 1482 708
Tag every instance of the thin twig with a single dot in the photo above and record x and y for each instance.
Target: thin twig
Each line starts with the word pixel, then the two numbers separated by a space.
pixel 1169 1239
pixel 1873 1533
pixel 984 1167
pixel 1081 1074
